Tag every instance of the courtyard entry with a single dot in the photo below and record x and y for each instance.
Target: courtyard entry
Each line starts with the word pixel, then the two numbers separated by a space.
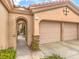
pixel 21 38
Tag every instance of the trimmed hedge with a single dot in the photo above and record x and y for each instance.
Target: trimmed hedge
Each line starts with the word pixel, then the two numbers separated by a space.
pixel 8 54
pixel 54 56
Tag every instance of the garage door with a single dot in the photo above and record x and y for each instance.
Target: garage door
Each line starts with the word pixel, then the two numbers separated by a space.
pixel 69 31
pixel 49 32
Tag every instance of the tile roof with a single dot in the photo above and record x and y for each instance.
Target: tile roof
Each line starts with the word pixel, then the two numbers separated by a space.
pixel 48 3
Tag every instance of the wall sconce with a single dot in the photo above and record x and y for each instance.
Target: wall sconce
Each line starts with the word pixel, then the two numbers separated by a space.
pixel 36 18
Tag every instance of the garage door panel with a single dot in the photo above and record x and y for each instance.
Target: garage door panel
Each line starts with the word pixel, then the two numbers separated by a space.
pixel 49 32
pixel 78 31
pixel 69 31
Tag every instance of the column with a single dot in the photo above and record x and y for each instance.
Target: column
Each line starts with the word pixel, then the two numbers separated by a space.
pixel 35 41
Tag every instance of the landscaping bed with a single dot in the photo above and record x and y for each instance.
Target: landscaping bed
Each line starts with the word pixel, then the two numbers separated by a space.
pixel 8 54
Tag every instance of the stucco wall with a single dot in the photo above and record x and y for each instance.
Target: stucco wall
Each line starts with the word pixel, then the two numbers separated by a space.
pixel 13 31
pixel 58 15
pixel 54 15
pixel 3 27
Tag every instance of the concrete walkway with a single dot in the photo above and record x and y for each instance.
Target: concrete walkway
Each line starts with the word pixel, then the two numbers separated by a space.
pixel 23 52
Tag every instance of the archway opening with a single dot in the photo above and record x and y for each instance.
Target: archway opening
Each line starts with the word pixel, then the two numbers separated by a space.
pixel 21 37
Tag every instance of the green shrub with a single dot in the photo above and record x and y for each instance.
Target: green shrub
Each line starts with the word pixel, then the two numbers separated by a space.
pixel 8 54
pixel 35 45
pixel 54 56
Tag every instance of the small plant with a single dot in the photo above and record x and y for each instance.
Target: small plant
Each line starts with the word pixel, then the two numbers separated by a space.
pixel 8 54
pixel 35 45
pixel 54 56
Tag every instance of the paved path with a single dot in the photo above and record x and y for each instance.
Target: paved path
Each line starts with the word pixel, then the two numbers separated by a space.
pixel 23 52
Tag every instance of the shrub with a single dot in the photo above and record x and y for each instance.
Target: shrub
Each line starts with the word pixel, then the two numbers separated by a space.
pixel 35 45
pixel 54 56
pixel 8 54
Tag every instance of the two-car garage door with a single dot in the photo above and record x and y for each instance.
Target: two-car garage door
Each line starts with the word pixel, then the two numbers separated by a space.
pixel 51 32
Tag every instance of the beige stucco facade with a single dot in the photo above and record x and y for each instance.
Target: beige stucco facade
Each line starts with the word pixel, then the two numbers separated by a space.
pixel 34 18
pixel 56 15
pixel 8 26
pixel 3 27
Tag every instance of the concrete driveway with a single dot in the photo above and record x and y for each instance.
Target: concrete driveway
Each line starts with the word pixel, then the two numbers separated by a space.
pixel 66 49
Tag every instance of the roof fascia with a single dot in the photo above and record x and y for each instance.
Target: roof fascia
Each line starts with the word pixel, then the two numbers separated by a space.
pixel 7 4
pixel 68 4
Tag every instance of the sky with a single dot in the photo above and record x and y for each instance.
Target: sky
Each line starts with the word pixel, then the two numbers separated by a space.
pixel 26 3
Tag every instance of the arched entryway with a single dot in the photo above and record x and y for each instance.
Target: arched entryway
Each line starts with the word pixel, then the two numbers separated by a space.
pixel 21 37
pixel 22 28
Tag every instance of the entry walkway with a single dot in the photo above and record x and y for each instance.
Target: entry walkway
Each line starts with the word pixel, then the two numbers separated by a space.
pixel 23 52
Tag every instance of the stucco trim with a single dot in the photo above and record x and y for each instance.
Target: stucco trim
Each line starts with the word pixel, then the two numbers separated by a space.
pixel 57 21
pixel 68 4
pixel 76 12
pixel 4 6
pixel 47 9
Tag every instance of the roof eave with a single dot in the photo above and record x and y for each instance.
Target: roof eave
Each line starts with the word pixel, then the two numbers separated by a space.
pixel 69 4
